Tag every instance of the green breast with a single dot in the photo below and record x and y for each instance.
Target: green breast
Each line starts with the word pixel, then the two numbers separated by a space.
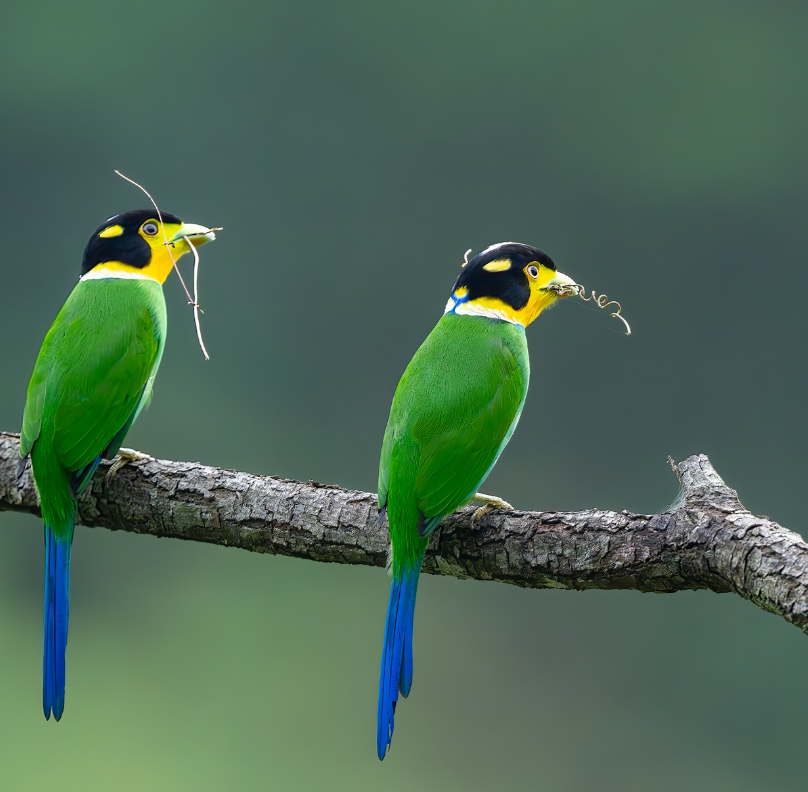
pixel 94 367
pixel 453 412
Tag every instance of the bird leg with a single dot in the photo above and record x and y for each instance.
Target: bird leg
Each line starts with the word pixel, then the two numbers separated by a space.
pixel 490 503
pixel 123 456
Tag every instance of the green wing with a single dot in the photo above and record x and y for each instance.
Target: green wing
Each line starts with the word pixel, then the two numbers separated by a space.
pixel 459 401
pixel 34 403
pixel 94 368
pixel 456 460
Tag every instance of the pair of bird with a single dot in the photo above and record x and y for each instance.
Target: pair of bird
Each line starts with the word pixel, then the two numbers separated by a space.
pixel 453 412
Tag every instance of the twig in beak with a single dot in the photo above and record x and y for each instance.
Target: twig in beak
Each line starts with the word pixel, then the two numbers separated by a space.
pixel 195 303
pixel 191 300
pixel 576 289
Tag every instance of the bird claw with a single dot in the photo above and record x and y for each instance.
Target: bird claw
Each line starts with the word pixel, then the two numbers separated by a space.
pixel 490 503
pixel 123 456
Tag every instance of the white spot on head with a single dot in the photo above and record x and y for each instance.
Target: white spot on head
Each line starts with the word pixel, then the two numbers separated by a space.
pixel 495 247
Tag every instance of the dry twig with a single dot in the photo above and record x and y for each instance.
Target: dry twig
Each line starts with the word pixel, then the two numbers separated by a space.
pixel 577 290
pixel 191 300
pixel 197 309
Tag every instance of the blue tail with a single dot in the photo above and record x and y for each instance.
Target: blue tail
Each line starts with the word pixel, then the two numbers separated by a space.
pixel 57 608
pixel 396 673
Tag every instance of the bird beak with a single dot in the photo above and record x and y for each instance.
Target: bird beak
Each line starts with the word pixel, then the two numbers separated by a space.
pixel 562 285
pixel 197 234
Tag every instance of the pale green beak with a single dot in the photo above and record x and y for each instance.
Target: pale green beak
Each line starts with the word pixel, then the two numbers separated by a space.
pixel 562 284
pixel 197 234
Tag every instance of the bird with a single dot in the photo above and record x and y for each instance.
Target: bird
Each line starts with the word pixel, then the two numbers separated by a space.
pixel 453 412
pixel 93 375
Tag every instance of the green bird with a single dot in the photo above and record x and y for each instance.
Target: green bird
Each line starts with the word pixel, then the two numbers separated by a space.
pixel 93 376
pixel 453 412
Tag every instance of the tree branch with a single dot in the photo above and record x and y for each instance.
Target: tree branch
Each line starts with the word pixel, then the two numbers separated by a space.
pixel 707 540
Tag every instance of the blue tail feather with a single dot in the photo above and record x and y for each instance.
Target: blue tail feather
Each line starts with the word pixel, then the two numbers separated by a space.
pixel 396 671
pixel 57 609
pixel 405 675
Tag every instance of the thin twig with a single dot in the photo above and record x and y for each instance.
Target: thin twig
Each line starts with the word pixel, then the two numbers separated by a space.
pixel 576 289
pixel 197 309
pixel 191 300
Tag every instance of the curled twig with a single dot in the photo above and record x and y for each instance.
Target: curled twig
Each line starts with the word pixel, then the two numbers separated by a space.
pixel 602 301
pixel 191 300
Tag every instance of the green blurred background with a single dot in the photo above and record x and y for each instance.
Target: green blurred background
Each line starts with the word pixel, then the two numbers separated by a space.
pixel 353 151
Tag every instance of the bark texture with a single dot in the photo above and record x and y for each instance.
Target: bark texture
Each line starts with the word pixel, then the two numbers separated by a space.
pixel 707 540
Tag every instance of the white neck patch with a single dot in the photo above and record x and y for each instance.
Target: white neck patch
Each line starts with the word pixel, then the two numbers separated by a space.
pixel 101 272
pixel 466 308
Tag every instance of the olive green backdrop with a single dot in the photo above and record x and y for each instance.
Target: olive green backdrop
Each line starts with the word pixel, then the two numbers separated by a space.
pixel 353 151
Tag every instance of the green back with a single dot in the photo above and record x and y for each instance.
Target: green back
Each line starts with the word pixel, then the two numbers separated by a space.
pixel 454 411
pixel 92 376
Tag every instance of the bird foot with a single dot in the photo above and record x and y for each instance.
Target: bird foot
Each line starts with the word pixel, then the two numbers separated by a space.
pixel 125 455
pixel 490 503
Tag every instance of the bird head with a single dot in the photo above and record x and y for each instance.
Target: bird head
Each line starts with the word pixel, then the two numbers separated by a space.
pixel 137 242
pixel 509 281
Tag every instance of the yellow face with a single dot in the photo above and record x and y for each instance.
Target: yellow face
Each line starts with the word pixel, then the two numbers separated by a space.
pixel 166 241
pixel 538 276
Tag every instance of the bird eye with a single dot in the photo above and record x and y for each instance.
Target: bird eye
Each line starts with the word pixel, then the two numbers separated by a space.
pixel 533 271
pixel 150 229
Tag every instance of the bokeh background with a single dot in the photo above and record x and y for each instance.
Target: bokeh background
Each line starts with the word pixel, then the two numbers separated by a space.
pixel 353 151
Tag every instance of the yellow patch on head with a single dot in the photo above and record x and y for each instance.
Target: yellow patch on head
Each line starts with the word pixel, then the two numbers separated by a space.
pixel 111 231
pixel 461 292
pixel 499 265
